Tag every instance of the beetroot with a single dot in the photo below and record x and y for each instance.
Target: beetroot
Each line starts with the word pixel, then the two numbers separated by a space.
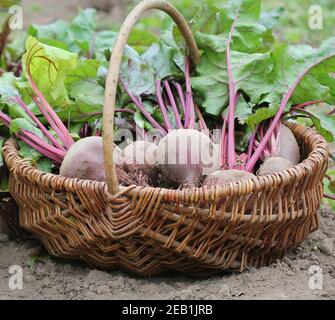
pixel 221 177
pixel 184 155
pixel 140 152
pixel 274 164
pixel 288 145
pixel 215 163
pixel 85 160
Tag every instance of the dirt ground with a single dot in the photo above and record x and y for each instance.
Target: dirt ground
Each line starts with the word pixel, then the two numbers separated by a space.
pixel 46 11
pixel 48 278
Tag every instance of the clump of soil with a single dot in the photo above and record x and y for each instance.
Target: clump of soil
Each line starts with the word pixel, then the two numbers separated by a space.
pixel 48 278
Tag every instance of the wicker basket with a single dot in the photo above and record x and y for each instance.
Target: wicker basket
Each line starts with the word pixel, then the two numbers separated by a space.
pixel 148 230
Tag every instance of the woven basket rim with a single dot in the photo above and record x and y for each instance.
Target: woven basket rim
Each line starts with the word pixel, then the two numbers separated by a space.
pixel 22 167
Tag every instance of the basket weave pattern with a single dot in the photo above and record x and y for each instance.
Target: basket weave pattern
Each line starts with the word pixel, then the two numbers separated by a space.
pixel 148 230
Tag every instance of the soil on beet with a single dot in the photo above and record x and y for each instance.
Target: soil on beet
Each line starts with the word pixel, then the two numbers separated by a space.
pixel 45 277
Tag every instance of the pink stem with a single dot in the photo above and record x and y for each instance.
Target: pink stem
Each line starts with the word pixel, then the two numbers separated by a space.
pixel 121 111
pixel 173 104
pixel 329 196
pixel 40 149
pixel 223 143
pixel 51 122
pixel 35 142
pixel 162 106
pixel 202 121
pixel 181 96
pixel 302 106
pixel 251 143
pixel 5 119
pixel 43 144
pixel 252 161
pixel 266 152
pixel 38 123
pixel 67 139
pixel 231 155
pixel 140 106
pixel 224 151
pixel 190 116
pixel 306 112
pixel 306 104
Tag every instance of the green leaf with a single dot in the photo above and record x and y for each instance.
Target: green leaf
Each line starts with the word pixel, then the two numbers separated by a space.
pixel 260 115
pixel 160 58
pixel 140 39
pixel 88 104
pixel 27 152
pixel 250 73
pixel 7 86
pixel 172 38
pixel 213 91
pixel 81 30
pixel 104 41
pixel 209 19
pixel 57 30
pixel 139 72
pixel 291 62
pixel 49 67
pixel 138 76
pixel 250 56
pixel 324 124
pixel 243 111
pixel 85 20
pixel 270 19
pixel 15 47
pixel 76 36
pixel 44 165
pixel 246 38
pixel 84 108
pixel 54 43
pixel 21 123
pixel 83 79
pixel 139 119
pixel 248 10
pixel 15 111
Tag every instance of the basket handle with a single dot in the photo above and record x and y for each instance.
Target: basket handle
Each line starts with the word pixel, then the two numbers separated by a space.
pixel 113 75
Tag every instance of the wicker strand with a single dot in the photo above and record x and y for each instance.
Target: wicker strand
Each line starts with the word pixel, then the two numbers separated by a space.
pixel 114 69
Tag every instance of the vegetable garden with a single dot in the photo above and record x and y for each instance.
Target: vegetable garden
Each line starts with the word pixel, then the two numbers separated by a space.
pixel 203 148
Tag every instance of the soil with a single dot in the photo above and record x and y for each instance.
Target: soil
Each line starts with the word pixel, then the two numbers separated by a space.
pixel 45 277
pixel 46 11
